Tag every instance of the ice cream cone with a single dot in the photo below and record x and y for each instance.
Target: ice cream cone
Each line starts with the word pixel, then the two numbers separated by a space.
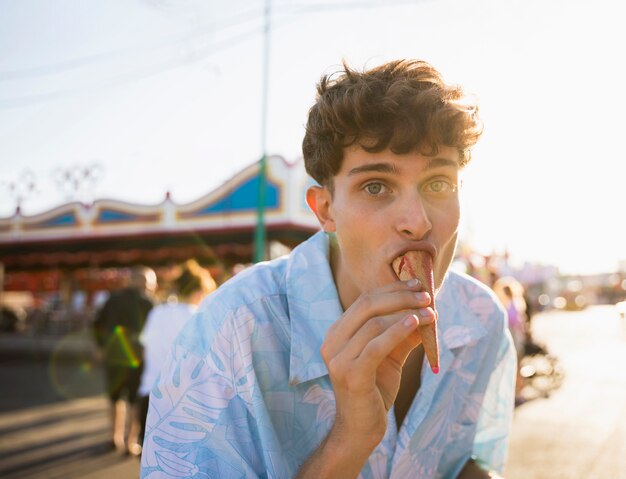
pixel 419 264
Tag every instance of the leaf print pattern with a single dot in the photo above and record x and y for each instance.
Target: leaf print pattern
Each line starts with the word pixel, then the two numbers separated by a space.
pixel 245 392
pixel 200 391
pixel 378 464
pixel 325 401
pixel 175 466
pixel 483 307
pixel 456 335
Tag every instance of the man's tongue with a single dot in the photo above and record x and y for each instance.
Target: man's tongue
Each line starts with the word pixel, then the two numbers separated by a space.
pixel 416 264
pixel 407 268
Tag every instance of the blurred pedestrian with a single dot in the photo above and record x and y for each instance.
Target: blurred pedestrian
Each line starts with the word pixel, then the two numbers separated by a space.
pixel 117 328
pixel 511 293
pixel 163 324
pixel 531 347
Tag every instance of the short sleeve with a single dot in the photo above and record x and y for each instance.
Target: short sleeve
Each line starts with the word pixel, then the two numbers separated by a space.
pixel 200 420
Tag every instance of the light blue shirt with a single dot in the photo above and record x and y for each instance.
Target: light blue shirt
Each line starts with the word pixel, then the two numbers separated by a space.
pixel 245 392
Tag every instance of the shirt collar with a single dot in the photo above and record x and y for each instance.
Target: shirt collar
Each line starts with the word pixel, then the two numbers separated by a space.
pixel 313 306
pixel 461 318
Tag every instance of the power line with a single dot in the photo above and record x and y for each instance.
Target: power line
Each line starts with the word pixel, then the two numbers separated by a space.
pixel 126 78
pixel 171 64
pixel 75 63
pixel 252 14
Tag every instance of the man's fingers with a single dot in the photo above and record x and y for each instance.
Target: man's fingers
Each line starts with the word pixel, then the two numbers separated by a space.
pixel 414 284
pixel 403 349
pixel 396 297
pixel 377 326
pixel 386 343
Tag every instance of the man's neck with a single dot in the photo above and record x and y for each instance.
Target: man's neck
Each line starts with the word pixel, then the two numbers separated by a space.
pixel 345 287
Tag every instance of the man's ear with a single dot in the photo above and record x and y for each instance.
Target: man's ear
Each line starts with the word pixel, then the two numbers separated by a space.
pixel 319 200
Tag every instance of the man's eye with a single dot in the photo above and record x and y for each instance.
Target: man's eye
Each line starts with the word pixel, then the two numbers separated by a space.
pixel 440 186
pixel 374 188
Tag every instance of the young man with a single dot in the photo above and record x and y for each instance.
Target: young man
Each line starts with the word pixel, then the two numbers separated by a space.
pixel 312 365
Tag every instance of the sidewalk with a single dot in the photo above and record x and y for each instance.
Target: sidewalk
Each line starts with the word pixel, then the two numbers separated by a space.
pixel 66 440
pixel 579 432
pixel 54 416
pixel 26 345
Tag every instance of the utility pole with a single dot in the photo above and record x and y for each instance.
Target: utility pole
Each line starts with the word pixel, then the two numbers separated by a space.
pixel 260 237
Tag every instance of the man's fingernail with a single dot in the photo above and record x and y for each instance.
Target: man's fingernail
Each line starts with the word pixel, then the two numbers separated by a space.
pixel 413 282
pixel 411 321
pixel 425 313
pixel 421 295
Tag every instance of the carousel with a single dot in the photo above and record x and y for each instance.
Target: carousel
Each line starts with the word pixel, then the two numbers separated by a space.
pixel 88 248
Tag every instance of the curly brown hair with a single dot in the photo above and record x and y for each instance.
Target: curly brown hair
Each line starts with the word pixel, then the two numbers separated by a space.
pixel 194 278
pixel 403 105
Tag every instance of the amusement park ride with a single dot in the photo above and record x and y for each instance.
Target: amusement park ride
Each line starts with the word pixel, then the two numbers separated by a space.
pixel 218 228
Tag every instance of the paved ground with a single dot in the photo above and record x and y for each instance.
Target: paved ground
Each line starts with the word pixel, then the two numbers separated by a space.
pixel 63 440
pixel 54 418
pixel 579 432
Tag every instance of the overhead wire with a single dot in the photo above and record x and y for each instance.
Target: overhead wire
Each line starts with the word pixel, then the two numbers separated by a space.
pixel 213 28
pixel 74 63
pixel 200 54
pixel 124 78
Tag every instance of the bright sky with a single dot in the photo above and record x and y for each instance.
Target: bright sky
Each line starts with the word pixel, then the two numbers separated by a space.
pixel 166 95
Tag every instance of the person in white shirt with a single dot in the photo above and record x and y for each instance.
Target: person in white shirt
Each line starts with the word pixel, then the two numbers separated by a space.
pixel 164 323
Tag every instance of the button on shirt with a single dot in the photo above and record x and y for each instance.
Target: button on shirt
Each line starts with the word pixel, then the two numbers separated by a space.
pixel 245 392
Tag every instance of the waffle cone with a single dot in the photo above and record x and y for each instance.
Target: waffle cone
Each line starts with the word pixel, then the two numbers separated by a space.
pixel 419 264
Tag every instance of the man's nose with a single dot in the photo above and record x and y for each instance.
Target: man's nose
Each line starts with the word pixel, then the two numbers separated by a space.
pixel 413 220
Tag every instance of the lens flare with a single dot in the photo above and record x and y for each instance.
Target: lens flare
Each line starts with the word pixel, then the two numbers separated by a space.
pixel 72 368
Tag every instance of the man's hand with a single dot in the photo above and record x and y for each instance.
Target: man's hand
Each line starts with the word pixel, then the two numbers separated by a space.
pixel 364 352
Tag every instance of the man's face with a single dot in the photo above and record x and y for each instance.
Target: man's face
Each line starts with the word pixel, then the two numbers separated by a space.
pixel 383 205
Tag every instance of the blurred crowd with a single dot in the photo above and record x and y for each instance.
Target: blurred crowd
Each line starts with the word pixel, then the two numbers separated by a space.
pixel 133 314
pixel 57 303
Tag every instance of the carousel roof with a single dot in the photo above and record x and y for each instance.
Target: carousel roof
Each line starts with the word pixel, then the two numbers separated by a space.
pixel 220 224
